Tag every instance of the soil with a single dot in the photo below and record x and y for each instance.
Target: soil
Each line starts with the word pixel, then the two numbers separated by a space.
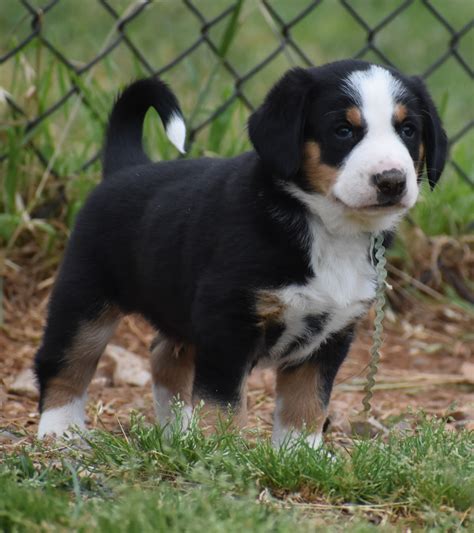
pixel 427 363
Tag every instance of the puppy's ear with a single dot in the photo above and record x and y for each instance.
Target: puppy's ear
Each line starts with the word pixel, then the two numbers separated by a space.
pixel 276 129
pixel 434 136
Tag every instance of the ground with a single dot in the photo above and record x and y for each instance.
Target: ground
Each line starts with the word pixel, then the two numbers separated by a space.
pixel 417 473
pixel 426 363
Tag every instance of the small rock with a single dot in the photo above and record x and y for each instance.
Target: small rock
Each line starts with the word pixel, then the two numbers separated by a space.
pixel 370 427
pixel 458 415
pixel 403 426
pixel 130 369
pixel 467 370
pixel 7 437
pixel 101 382
pixel 25 384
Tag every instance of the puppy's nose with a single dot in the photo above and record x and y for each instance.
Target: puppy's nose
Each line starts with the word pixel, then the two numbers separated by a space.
pixel 390 185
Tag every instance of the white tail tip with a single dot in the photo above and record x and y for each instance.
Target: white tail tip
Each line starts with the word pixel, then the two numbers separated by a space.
pixel 176 131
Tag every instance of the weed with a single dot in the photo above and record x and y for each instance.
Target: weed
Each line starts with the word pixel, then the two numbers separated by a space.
pixel 141 478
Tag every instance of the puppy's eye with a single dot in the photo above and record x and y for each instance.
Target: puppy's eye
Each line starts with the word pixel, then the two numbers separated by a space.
pixel 344 132
pixel 408 130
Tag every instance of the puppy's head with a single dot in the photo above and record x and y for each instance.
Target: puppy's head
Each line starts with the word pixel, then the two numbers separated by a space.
pixel 351 140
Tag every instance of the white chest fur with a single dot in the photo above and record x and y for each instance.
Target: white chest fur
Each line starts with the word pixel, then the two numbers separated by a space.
pixel 340 291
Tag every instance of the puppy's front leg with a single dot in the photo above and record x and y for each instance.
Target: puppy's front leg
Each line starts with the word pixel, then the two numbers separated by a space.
pixel 303 392
pixel 215 411
pixel 299 405
pixel 222 366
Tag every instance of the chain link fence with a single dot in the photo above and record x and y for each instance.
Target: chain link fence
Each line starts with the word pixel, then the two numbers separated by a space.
pixel 218 28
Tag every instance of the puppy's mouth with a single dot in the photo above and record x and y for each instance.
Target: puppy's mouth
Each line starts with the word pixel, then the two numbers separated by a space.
pixel 390 207
pixel 382 208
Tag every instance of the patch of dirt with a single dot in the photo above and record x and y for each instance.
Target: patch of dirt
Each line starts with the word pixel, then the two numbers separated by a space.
pixel 427 362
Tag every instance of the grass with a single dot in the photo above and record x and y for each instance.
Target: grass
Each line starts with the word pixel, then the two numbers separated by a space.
pixel 140 481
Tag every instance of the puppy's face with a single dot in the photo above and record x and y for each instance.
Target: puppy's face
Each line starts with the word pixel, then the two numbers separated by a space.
pixel 362 136
pixel 366 137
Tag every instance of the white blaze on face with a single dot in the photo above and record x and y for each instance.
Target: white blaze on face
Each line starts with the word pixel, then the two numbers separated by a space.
pixel 376 92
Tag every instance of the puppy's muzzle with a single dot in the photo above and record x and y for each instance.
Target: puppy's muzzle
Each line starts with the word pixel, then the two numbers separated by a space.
pixel 390 185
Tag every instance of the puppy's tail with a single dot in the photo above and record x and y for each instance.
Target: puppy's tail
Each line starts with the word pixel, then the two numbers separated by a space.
pixel 123 143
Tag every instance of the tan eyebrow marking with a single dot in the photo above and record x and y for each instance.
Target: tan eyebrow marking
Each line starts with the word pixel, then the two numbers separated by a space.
pixel 400 113
pixel 354 116
pixel 421 159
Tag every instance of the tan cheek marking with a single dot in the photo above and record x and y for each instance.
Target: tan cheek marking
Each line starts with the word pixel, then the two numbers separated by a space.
pixel 321 177
pixel 421 159
pixel 354 116
pixel 299 391
pixel 172 367
pixel 400 113
pixel 269 308
pixel 81 360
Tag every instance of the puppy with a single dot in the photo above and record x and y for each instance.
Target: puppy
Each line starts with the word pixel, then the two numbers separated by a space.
pixel 263 258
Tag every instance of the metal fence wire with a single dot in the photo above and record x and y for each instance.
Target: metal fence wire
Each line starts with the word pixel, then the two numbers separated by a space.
pixel 286 44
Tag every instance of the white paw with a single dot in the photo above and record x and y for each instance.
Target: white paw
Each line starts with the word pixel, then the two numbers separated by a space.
pixel 57 421
pixel 288 437
pixel 170 411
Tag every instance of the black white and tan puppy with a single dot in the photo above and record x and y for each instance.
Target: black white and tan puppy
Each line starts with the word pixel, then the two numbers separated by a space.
pixel 261 259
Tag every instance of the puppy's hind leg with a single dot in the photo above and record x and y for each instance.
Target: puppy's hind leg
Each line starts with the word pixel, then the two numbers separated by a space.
pixel 80 323
pixel 172 367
